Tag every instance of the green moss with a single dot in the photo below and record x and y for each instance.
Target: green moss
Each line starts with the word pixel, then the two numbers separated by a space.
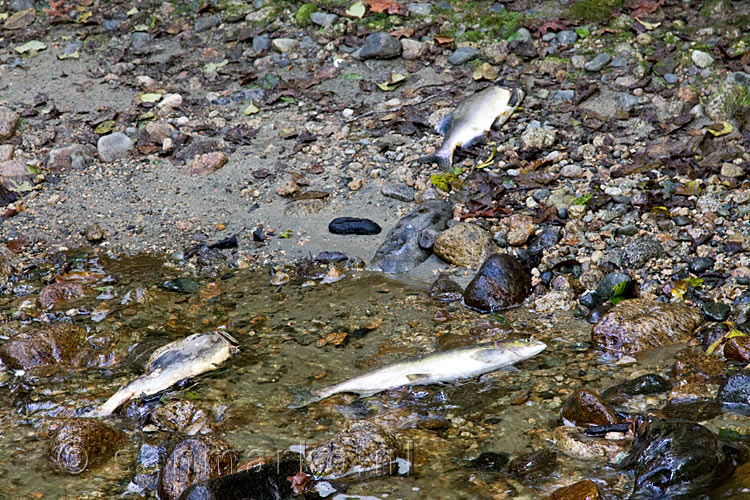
pixel 302 17
pixel 473 36
pixel 597 11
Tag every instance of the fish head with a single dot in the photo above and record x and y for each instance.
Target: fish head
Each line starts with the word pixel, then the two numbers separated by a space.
pixel 523 348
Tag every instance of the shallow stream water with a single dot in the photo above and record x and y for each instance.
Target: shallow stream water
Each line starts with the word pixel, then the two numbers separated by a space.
pixel 299 335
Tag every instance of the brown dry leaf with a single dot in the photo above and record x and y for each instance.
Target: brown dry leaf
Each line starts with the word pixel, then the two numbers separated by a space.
pixel 485 71
pixel 380 6
pixel 444 39
pixel 645 7
pixel 403 33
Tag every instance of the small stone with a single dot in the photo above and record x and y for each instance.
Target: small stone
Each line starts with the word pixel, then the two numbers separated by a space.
pixel 170 101
pixel 715 311
pixel 82 442
pixel 206 163
pixel 323 19
pixel 563 95
pixel 353 225
pixel 536 137
pixel 521 35
pixel 289 188
pixel 94 233
pixel 6 152
pixel 19 5
pixel 419 9
pixel 355 185
pixel 412 49
pixel 590 299
pixel 74 156
pixel 206 23
pixel 462 55
pixel 598 62
pixel 20 20
pixel 671 78
pixel 582 490
pixel 618 62
pixel 193 460
pixel 640 251
pixel 701 59
pixel 567 37
pixel 700 264
pixel 464 245
pixel 738 349
pixel 584 408
pixel 284 45
pixel 380 46
pixel 139 42
pixel 445 289
pixel 8 122
pixel 261 43
pixel 495 53
pixel 520 229
pixel 500 283
pixel 288 132
pixel 625 101
pixel 114 146
pixel 731 170
pixel 146 82
pixel 400 192
pixel 615 282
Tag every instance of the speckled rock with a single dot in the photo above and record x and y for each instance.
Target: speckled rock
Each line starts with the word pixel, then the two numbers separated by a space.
pixel 8 122
pixel 640 324
pixel 520 229
pixel 538 138
pixel 55 344
pixel 193 460
pixel 501 283
pixel 534 466
pixel 573 442
pixel 59 293
pixel 464 245
pixel 640 251
pixel 9 262
pixel 207 163
pixel 74 156
pixel 584 408
pixel 361 445
pixel 181 417
pixel 114 146
pixel 81 443
pixel 380 46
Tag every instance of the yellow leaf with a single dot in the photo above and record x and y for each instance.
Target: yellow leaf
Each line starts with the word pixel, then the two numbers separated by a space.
pixel 3 16
pixel 647 25
pixel 84 17
pixel 485 71
pixel 489 160
pixel 730 334
pixel 251 109
pixel 727 128
pixel 357 10
pixel 132 12
pixel 150 97
pixel 105 127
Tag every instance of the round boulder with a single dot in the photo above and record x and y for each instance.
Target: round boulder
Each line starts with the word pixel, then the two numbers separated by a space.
pixel 501 283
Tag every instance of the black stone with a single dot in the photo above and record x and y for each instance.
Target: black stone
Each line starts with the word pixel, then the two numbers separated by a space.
pixel 715 311
pixel 649 383
pixel 700 264
pixel 607 285
pixel 445 289
pixel 735 392
pixel 491 461
pixel 534 466
pixel 499 284
pixel 546 277
pixel 681 221
pixel 353 225
pixel 330 257
pixel 590 299
pixel 692 410
pixel 181 285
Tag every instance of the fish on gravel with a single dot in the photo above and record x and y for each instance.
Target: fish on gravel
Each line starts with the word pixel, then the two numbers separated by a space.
pixel 178 360
pixel 476 115
pixel 446 366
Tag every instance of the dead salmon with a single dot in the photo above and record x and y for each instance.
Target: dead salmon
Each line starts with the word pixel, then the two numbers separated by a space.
pixel 475 116
pixel 191 356
pixel 446 366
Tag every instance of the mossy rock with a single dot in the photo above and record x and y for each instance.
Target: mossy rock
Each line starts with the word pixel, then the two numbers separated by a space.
pixel 596 11
pixel 302 17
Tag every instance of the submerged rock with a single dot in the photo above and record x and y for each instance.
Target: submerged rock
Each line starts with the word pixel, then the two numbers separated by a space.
pixel 649 383
pixel 361 446
pixel 573 442
pixel 82 442
pixel 265 480
pixel 584 408
pixel 51 345
pixel 464 245
pixel 678 459
pixel 193 460
pixel 181 417
pixel 534 466
pixel 401 252
pixel 501 283
pixel 445 289
pixel 640 324
pixel 735 391
pixel 56 293
pixel 582 490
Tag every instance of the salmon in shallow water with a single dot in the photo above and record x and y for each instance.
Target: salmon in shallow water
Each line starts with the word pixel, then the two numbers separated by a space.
pixel 475 116
pixel 446 366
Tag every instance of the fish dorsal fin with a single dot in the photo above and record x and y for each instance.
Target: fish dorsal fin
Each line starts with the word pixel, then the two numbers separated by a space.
pixel 489 355
pixel 415 378
pixel 444 125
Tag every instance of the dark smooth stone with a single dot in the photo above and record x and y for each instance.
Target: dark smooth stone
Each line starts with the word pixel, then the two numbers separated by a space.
pixel 607 285
pixel 700 264
pixel 499 284
pixel 491 461
pixel 353 225
pixel 181 285
pixel 649 383
pixel 590 299
pixel 715 311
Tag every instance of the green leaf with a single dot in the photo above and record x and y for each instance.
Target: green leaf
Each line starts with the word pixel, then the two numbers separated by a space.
pixel 619 288
pixel 582 200
pixel 286 234
pixel 150 97
pixel 288 99
pixel 616 300
pixel 191 396
pixel 582 32
pixel 214 67
pixel 357 10
pixel 351 76
pixel 251 109
pixel 32 47
pixel 105 127
pixel 33 169
pixel 694 282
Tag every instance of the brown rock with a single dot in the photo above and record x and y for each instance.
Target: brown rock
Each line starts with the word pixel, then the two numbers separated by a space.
pixel 6 151
pixel 56 293
pixel 584 408
pixel 289 188
pixel 55 344
pixel 19 20
pixel 640 324
pixel 8 263
pixel 94 233
pixel 520 229
pixel 582 490
pixel 738 349
pixel 574 443
pixel 180 417
pixel 464 245
pixel 13 168
pixel 8 122
pixel 207 163
pixel 445 289
pixel 158 131
pixel 193 460
pixel 74 156
pixel 82 442
pixel 501 283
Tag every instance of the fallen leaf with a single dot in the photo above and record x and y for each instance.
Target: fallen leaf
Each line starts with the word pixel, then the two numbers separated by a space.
pixel 251 109
pixel 485 71
pixel 380 6
pixel 214 67
pixel 150 97
pixel 719 129
pixel 644 7
pixel 357 10
pixel 444 39
pixel 132 12
pixel 403 33
pixel 105 127
pixel 394 80
pixel 557 25
pixel 32 47
pixel 647 25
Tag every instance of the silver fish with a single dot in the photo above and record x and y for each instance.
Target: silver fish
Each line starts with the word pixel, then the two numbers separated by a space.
pixel 446 366
pixel 466 126
pixel 178 360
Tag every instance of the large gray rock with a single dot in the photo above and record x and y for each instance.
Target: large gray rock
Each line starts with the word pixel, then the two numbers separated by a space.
pixel 401 252
pixel 114 146
pixel 380 46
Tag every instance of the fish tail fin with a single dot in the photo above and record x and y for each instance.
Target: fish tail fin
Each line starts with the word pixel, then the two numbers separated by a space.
pixel 443 160
pixel 304 397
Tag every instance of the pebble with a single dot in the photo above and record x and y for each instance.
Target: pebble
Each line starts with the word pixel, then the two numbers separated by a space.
pixel 94 233
pixel 563 95
pixel 618 62
pixel 206 23
pixel 8 122
pixel 206 163
pixel 400 192
pixel 701 59
pixel 522 35
pixel 261 43
pixel 380 46
pixel 353 225
pixel 462 55
pixel 419 9
pixel 715 311
pixel 700 264
pixel 598 62
pixel 412 49
pixel 284 45
pixel 671 78
pixel 114 146
pixel 20 5
pixel 567 37
pixel 139 42
pixel 323 19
